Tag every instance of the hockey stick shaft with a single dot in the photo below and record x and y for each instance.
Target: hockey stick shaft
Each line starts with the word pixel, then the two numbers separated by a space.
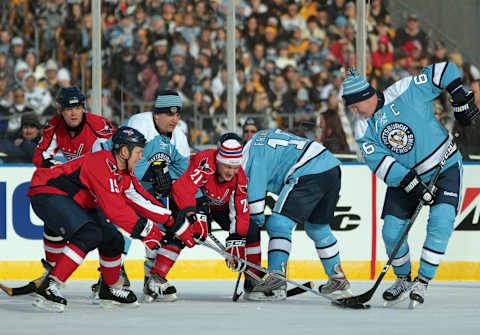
pixel 235 295
pixel 363 298
pixel 262 269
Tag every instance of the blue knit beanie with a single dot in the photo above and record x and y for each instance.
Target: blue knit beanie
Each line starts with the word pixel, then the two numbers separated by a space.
pixel 167 101
pixel 355 88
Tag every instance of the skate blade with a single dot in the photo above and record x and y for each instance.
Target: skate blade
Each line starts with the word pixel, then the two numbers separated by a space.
pixel 413 304
pixel 43 304
pixel 110 304
pixel 260 296
pixel 401 297
pixel 167 298
pixel 94 299
pixel 147 299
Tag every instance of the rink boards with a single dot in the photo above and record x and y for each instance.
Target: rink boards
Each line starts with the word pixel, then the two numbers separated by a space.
pixel 357 227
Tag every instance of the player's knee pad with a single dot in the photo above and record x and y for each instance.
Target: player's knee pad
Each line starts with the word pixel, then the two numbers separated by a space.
pixel 440 223
pixel 280 226
pixel 112 244
pixel 393 228
pixel 318 232
pixel 52 237
pixel 88 237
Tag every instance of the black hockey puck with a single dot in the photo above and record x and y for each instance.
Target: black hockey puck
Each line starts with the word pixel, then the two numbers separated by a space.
pixel 351 306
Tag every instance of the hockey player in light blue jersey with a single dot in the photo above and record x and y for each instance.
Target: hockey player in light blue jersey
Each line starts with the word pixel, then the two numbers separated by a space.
pixel 306 177
pixel 403 143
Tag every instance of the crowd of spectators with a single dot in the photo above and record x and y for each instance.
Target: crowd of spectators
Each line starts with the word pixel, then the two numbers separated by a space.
pixel 290 61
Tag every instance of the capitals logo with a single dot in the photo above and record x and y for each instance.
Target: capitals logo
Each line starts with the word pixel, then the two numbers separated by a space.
pixel 107 129
pixel 468 216
pixel 398 137
pixel 204 167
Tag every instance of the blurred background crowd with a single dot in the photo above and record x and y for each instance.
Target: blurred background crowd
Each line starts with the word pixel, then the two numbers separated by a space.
pixel 290 60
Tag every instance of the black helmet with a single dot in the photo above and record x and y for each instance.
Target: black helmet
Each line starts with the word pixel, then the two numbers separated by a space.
pixel 228 136
pixel 70 97
pixel 128 136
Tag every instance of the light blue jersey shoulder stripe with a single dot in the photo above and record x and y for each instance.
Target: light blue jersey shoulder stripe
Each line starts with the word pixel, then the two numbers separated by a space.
pixel 397 89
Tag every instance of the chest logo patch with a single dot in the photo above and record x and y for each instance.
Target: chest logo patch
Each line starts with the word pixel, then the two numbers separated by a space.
pixel 398 137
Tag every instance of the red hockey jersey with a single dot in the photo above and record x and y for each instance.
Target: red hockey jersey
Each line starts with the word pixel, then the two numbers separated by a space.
pixel 94 180
pixel 230 195
pixel 57 137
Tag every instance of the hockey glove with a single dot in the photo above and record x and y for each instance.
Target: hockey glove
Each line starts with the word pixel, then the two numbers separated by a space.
pixel 182 228
pixel 464 108
pixel 200 226
pixel 162 182
pixel 235 246
pixel 148 232
pixel 414 186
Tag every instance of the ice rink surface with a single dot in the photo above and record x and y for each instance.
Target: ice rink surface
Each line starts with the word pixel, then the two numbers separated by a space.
pixel 206 307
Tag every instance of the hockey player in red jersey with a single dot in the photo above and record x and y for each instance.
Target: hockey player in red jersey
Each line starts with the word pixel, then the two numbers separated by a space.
pixel 218 175
pixel 72 131
pixel 72 198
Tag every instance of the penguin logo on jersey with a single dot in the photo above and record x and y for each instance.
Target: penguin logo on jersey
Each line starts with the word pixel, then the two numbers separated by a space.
pixel 398 137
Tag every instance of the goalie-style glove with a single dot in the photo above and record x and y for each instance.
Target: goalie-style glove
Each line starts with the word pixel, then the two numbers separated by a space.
pixel 148 232
pixel 161 180
pixel 235 246
pixel 463 106
pixel 414 186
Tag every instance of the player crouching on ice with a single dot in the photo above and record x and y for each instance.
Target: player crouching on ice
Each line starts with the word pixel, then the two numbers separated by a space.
pixel 306 177
pixel 72 200
pixel 403 144
pixel 217 174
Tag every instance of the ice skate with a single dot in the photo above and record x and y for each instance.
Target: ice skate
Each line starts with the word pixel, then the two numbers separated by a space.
pixel 95 289
pixel 398 292
pixel 248 284
pixel 48 296
pixel 418 292
pixel 157 288
pixel 111 297
pixel 337 286
pixel 270 289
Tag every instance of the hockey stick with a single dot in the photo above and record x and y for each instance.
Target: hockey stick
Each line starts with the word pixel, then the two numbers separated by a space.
pixel 235 295
pixel 277 276
pixel 30 287
pixel 290 293
pixel 22 290
pixel 365 297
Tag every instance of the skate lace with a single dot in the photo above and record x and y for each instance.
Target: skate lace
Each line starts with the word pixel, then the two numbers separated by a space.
pixel 419 288
pixel 119 292
pixel 156 284
pixel 399 286
pixel 54 289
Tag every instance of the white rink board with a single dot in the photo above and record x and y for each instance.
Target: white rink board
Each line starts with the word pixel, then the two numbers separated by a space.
pixel 354 208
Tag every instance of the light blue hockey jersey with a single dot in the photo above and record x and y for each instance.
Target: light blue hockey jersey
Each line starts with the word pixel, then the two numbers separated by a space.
pixel 273 159
pixel 159 148
pixel 404 133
